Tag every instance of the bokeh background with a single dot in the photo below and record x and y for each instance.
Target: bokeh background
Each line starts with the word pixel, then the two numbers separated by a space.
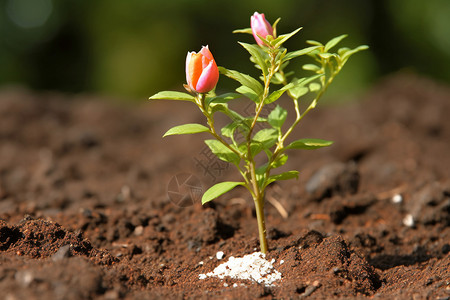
pixel 134 48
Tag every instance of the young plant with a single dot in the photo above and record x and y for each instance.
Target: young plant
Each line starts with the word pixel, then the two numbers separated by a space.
pixel 244 137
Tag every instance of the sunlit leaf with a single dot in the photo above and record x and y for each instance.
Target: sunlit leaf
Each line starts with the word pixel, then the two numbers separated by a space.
pixel 333 42
pixel 283 38
pixel 311 67
pixel 314 87
pixel 219 189
pixel 300 85
pixel 244 79
pixel 256 54
pixel 172 95
pixel 186 129
pixel 244 30
pixel 291 55
pixel 229 129
pixel 267 137
pixel 224 98
pixel 275 95
pixel 283 176
pixel 249 93
pixel 274 26
pixel 280 161
pixel 277 117
pixel 315 43
pixel 309 144
pixel 215 107
pixel 348 53
pixel 277 79
pixel 326 55
pixel 223 152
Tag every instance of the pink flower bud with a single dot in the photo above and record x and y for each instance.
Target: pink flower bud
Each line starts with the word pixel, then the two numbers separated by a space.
pixel 202 73
pixel 260 26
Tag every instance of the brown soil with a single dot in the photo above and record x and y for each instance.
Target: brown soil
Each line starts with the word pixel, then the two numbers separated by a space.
pixel 88 201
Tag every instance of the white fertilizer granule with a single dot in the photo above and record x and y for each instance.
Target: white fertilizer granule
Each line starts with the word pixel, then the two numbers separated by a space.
pixel 219 255
pixel 252 267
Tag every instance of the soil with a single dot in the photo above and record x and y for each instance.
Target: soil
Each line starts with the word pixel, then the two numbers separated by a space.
pixel 94 204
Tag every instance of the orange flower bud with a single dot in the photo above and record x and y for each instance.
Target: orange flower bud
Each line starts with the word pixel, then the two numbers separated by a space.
pixel 202 73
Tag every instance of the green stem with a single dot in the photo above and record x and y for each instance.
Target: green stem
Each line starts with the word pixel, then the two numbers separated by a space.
pixel 259 207
pixel 258 191
pixel 201 104
pixel 267 80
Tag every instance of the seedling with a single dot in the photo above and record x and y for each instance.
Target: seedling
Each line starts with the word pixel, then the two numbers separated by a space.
pixel 244 137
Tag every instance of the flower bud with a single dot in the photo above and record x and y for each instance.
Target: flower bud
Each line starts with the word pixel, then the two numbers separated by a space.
pixel 202 73
pixel 260 26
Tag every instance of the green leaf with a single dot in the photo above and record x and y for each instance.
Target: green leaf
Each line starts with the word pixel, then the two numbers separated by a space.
pixel 172 95
pixel 314 87
pixel 309 144
pixel 353 51
pixel 254 51
pixel 277 79
pixel 274 26
pixel 219 189
pixel 316 43
pixel 283 176
pixel 224 98
pixel 215 107
pixel 229 129
pixel 267 137
pixel 283 38
pixel 245 30
pixel 223 152
pixel 343 50
pixel 255 148
pixel 275 95
pixel 277 117
pixel 186 129
pixel 299 91
pixel 244 79
pixel 300 88
pixel 333 42
pixel 279 161
pixel 311 67
pixel 326 55
pixel 248 92
pixel 298 53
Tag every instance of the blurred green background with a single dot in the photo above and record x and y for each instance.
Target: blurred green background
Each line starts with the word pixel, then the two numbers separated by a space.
pixel 134 48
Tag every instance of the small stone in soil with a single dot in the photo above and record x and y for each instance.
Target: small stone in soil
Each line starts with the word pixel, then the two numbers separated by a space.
pixel 62 253
pixel 397 198
pixel 251 267
pixel 408 220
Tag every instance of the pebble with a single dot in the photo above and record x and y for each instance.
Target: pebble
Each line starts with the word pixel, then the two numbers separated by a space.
pixel 62 253
pixel 24 278
pixel 408 220
pixel 138 230
pixel 397 198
